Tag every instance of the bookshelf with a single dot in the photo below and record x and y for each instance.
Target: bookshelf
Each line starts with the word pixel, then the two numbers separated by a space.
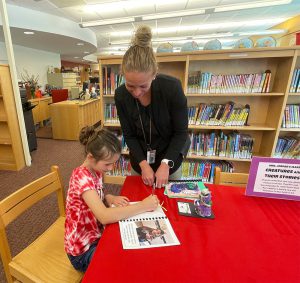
pixel 63 80
pixel 266 109
pixel 11 150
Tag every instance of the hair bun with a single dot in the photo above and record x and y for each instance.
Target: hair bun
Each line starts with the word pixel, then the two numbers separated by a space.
pixel 85 134
pixel 142 37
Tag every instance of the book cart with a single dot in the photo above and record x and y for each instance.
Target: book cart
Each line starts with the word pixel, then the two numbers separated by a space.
pixel 267 101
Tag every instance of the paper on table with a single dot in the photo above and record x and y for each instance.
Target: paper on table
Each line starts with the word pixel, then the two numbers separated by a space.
pixel 147 230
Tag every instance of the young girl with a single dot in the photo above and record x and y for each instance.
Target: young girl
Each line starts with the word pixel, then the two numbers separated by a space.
pixel 86 213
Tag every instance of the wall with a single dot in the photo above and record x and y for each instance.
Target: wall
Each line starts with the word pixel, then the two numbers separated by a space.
pixel 35 61
pixel 293 26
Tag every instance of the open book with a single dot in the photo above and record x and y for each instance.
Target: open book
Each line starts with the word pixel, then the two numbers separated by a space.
pixel 184 189
pixel 147 230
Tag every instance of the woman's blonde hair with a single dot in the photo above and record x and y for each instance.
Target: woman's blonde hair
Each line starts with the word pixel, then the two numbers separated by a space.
pixel 140 56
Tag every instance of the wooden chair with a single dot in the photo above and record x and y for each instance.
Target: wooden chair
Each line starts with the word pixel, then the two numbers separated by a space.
pixel 44 260
pixel 230 179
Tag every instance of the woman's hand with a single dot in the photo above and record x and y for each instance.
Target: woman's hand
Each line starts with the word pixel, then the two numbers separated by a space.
pixel 147 173
pixel 116 200
pixel 150 203
pixel 162 175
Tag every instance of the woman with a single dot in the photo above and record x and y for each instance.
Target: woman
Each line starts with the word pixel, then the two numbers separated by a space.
pixel 152 109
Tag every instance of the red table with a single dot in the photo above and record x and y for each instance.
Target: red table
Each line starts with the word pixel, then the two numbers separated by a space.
pixel 250 240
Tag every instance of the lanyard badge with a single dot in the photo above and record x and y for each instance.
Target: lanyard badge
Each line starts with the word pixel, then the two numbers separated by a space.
pixel 151 156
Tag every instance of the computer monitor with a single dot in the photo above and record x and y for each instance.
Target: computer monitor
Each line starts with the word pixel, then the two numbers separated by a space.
pixel 94 80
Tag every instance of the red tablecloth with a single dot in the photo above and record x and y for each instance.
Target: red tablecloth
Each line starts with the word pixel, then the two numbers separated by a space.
pixel 250 240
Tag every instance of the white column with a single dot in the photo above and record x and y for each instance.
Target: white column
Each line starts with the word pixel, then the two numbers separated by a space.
pixel 14 79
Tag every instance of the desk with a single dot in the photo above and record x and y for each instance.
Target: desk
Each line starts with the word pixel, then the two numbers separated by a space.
pixel 41 110
pixel 70 116
pixel 250 240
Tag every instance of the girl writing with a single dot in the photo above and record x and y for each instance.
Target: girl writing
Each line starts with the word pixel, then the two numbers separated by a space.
pixel 86 213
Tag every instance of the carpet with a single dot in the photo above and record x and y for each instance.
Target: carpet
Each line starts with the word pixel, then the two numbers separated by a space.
pixel 44 132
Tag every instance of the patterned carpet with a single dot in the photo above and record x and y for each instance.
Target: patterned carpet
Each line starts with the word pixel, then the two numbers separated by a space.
pixel 67 155
pixel 44 132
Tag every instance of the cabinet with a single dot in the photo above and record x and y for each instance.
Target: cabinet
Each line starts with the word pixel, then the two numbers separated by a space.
pixel 63 80
pixel 266 109
pixel 70 116
pixel 11 150
pixel 41 111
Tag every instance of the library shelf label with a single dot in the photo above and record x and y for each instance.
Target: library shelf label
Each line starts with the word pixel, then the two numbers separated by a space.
pixel 274 178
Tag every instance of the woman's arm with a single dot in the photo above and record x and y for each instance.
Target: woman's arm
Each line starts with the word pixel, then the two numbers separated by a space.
pixel 125 109
pixel 179 117
pixel 114 214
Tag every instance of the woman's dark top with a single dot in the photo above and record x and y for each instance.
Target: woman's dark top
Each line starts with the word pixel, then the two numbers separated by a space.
pixel 169 115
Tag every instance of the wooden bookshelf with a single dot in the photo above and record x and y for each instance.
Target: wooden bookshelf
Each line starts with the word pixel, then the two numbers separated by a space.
pixel 11 150
pixel 266 109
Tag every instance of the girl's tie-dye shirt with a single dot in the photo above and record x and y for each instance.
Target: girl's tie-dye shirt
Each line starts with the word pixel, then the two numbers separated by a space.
pixel 81 226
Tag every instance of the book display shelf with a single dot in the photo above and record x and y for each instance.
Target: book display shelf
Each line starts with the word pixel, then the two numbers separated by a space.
pixel 256 82
pixel 11 150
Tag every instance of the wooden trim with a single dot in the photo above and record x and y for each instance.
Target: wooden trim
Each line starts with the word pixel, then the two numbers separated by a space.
pixel 119 180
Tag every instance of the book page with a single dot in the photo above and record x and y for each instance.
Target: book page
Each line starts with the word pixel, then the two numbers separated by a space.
pixel 147 230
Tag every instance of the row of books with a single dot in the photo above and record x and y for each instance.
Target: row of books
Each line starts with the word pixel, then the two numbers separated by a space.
pixel 291 116
pixel 288 147
pixel 121 168
pixel 227 114
pixel 190 170
pixel 207 82
pixel 110 113
pixel 204 169
pixel 295 84
pixel 233 145
pixel 111 80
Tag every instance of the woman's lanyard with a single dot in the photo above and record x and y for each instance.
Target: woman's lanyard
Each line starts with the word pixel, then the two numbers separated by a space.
pixel 143 130
pixel 151 153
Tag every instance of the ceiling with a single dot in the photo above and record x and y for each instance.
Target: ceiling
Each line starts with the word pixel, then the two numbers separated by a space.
pixel 199 20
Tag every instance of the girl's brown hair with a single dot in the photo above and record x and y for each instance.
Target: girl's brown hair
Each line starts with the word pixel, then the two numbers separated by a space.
pixel 140 56
pixel 101 143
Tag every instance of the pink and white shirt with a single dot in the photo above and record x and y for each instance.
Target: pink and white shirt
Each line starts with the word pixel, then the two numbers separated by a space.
pixel 81 226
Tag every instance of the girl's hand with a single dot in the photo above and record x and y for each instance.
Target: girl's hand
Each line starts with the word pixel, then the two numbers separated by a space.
pixel 150 203
pixel 162 175
pixel 117 200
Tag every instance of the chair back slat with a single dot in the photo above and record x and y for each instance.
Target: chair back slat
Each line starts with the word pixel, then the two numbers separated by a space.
pixel 26 192
pixel 23 205
pixel 15 204
pixel 235 178
pixel 230 179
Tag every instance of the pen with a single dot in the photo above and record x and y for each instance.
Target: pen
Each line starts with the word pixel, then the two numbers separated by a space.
pixel 161 205
pixel 153 188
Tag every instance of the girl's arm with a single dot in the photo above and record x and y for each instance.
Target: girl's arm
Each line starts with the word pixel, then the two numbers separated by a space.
pixel 116 200
pixel 114 214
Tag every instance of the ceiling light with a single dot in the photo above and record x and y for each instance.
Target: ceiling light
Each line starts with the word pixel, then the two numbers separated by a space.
pixel 86 52
pixel 257 4
pixel 142 18
pixel 129 4
pixel 76 57
pixel 80 43
pixel 173 14
pixel 262 32
pixel 107 22
pixel 28 32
